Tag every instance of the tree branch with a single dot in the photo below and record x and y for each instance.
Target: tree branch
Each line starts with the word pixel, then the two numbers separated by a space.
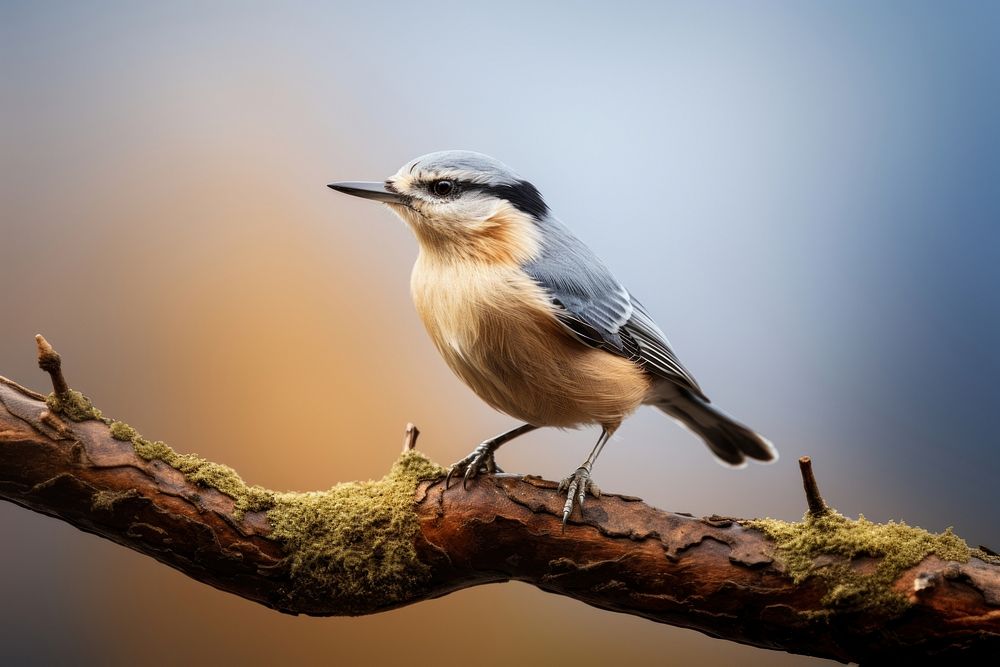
pixel 828 586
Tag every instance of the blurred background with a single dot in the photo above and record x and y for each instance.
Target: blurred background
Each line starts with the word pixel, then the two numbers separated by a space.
pixel 803 194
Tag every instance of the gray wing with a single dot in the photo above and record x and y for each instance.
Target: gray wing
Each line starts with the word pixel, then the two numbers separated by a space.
pixel 597 310
pixel 657 357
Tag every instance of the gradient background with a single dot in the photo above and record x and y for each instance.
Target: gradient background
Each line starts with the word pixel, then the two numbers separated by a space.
pixel 804 195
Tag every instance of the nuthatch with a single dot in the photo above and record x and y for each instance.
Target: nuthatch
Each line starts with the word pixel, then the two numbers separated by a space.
pixel 529 317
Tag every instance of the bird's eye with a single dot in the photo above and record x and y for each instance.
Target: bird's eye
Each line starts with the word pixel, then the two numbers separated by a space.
pixel 442 188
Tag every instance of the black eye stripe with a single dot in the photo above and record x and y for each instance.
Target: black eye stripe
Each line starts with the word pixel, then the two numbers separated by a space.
pixel 522 195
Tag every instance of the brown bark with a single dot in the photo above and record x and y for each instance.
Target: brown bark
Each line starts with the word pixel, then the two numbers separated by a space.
pixel 712 574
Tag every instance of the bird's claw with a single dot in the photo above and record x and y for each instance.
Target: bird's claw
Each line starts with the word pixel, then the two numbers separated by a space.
pixel 576 487
pixel 479 461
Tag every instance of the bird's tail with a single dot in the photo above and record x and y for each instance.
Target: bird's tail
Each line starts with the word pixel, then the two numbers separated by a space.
pixel 729 440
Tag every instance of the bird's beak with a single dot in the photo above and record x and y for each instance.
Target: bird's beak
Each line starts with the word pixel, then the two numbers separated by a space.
pixel 370 190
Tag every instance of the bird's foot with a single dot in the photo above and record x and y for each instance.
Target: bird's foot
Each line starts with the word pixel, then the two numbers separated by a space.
pixel 576 487
pixel 479 461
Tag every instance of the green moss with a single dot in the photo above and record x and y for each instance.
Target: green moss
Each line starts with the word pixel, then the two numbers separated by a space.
pixel 200 471
pixel 105 500
pixel 122 431
pixel 157 449
pixel 986 557
pixel 227 481
pixel 356 542
pixel 74 405
pixel 894 546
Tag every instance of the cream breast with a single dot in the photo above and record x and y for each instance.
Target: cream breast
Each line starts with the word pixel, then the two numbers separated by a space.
pixel 496 329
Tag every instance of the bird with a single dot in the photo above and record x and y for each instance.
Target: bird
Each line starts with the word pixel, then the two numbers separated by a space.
pixel 533 321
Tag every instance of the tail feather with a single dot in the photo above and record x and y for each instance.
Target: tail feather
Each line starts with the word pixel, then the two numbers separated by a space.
pixel 729 440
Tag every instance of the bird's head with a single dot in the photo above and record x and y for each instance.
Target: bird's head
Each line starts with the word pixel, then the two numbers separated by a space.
pixel 461 203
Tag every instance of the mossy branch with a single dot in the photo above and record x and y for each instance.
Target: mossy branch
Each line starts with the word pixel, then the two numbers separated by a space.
pixel 828 586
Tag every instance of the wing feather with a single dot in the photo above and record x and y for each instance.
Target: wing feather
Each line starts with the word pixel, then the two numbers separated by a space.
pixel 597 310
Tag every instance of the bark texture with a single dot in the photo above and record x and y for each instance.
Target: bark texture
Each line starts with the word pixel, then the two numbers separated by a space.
pixel 716 575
